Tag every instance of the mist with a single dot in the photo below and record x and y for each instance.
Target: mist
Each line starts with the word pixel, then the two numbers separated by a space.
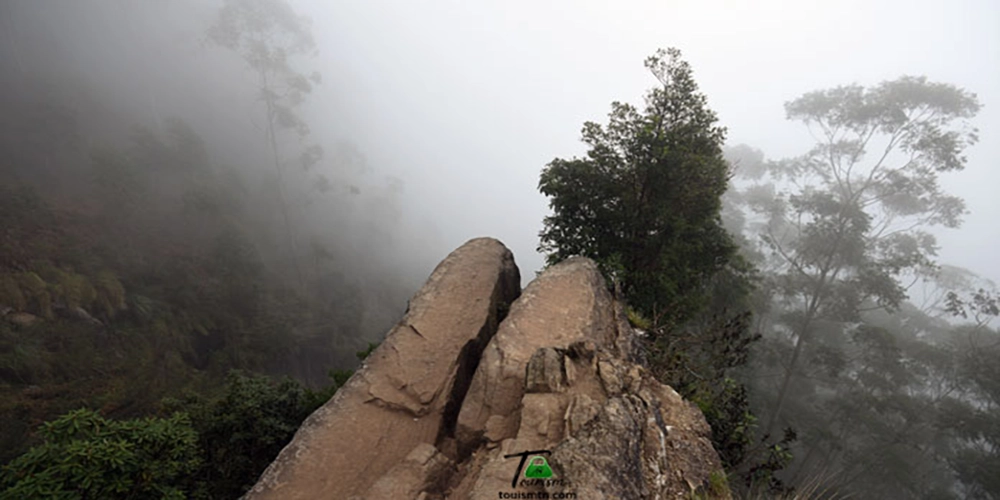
pixel 464 104
pixel 478 98
pixel 434 120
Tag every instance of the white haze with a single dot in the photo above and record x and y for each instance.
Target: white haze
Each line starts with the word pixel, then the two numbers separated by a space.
pixel 467 101
pixel 464 102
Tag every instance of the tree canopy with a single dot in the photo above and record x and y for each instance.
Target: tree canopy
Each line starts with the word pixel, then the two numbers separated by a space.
pixel 872 382
pixel 645 201
pixel 645 204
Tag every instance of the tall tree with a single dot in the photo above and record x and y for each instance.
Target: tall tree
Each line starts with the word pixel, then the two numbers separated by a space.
pixel 644 202
pixel 645 205
pixel 266 34
pixel 844 225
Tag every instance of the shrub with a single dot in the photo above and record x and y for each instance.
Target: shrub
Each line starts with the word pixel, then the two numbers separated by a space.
pixel 84 455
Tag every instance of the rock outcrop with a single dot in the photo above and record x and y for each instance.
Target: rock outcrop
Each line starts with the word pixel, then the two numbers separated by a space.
pixel 454 398
pixel 409 389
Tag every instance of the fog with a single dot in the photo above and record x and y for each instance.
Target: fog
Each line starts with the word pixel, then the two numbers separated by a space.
pixel 175 216
pixel 465 103
pixel 477 98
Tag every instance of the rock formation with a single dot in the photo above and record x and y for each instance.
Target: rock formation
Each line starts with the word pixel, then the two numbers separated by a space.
pixel 477 374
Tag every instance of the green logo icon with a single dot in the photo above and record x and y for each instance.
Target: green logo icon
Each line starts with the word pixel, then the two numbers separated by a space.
pixel 538 467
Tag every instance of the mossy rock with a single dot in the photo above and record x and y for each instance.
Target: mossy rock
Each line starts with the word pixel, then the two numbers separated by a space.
pixel 10 293
pixel 110 293
pixel 36 291
pixel 72 289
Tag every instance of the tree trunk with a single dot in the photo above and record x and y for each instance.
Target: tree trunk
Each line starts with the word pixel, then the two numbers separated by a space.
pixel 289 230
pixel 799 342
pixel 783 393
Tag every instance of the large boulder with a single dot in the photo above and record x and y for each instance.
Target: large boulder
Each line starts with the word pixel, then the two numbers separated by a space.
pixel 454 406
pixel 563 375
pixel 565 304
pixel 407 394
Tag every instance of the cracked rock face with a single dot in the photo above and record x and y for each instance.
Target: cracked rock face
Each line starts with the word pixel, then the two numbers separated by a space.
pixel 566 304
pixel 408 390
pixel 452 390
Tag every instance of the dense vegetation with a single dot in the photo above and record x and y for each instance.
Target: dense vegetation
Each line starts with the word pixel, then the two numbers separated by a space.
pixel 138 271
pixel 868 350
pixel 163 286
pixel 646 203
pixel 868 385
pixel 205 447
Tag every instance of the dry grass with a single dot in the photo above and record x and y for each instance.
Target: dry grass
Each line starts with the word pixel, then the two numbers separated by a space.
pixel 817 487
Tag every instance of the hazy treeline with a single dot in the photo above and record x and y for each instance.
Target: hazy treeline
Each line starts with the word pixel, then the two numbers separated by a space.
pixel 800 302
pixel 152 237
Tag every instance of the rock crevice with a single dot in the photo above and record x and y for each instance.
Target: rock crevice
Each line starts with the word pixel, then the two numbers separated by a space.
pixel 478 372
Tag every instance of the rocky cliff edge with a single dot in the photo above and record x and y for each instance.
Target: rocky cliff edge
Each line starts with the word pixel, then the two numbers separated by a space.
pixel 482 391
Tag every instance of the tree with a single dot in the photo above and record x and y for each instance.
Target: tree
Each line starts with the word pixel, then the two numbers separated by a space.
pixel 841 229
pixel 645 205
pixel 876 401
pixel 969 411
pixel 243 430
pixel 841 237
pixel 265 34
pixel 644 202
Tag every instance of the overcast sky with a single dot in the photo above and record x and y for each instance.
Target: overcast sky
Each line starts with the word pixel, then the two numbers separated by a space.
pixel 467 101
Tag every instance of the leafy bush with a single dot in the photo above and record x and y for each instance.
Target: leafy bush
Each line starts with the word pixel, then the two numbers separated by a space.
pixel 205 448
pixel 243 430
pixel 85 455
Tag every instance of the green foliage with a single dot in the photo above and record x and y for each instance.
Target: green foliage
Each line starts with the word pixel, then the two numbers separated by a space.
pixel 319 397
pixel 364 354
pixel 637 320
pixel 762 473
pixel 173 255
pixel 840 229
pixel 27 227
pixel 699 362
pixel 84 455
pixel 645 201
pixel 972 420
pixel 718 483
pixel 204 448
pixel 726 410
pixel 242 431
pixel 180 300
pixel 645 204
pixel 21 358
